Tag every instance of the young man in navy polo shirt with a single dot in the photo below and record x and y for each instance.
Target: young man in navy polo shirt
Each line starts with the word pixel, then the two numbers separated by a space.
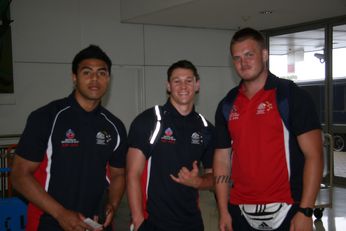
pixel 166 146
pixel 71 151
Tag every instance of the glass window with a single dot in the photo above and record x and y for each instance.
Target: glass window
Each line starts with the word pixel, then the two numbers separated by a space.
pixel 298 56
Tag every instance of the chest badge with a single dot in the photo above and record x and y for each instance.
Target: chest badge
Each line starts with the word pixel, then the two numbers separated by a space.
pixel 168 136
pixel 196 138
pixel 264 107
pixel 70 139
pixel 234 114
pixel 103 138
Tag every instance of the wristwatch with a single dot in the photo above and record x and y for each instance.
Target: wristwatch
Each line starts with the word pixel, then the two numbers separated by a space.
pixel 306 211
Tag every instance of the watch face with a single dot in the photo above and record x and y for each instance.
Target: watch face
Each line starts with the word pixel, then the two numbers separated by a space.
pixel 309 212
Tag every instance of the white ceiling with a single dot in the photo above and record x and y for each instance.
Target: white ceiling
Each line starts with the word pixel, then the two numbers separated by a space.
pixel 235 14
pixel 229 14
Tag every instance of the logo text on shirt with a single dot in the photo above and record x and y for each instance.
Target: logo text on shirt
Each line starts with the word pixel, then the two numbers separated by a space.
pixel 234 114
pixel 103 138
pixel 70 140
pixel 196 138
pixel 168 136
pixel 264 107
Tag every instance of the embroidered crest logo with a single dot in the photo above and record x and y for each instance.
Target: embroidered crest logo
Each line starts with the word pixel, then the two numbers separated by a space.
pixel 196 138
pixel 103 138
pixel 234 114
pixel 168 136
pixel 70 140
pixel 264 107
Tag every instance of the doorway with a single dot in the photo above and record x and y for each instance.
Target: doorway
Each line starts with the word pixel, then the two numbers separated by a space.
pixel 314 58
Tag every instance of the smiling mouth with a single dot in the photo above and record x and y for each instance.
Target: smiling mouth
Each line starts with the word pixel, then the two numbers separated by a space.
pixel 94 88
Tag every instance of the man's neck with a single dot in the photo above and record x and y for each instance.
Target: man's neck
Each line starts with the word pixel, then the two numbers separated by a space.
pixel 87 105
pixel 251 87
pixel 183 109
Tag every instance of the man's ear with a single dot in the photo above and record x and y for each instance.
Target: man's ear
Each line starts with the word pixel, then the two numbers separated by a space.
pixel 197 86
pixel 168 86
pixel 265 55
pixel 74 79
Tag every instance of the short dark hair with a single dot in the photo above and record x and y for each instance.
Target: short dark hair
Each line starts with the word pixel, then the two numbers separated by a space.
pixel 182 64
pixel 248 33
pixel 91 52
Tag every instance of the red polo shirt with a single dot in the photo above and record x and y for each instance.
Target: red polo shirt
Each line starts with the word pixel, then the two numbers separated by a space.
pixel 260 161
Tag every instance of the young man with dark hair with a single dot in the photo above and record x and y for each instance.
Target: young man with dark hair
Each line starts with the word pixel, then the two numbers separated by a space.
pixel 268 143
pixel 71 151
pixel 166 146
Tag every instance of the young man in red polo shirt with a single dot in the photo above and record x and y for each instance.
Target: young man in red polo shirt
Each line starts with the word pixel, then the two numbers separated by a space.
pixel 268 131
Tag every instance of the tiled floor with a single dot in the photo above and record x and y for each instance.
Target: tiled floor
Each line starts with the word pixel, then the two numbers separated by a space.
pixel 334 216
pixel 334 219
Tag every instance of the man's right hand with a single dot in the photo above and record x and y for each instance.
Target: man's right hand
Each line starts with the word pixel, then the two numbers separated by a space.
pixel 225 222
pixel 72 221
pixel 137 223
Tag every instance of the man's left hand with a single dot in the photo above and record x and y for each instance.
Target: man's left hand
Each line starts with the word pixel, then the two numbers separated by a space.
pixel 187 177
pixel 301 223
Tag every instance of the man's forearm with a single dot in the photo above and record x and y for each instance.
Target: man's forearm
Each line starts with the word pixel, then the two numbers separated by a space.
pixel 116 190
pixel 222 195
pixel 28 186
pixel 222 179
pixel 206 182
pixel 134 195
pixel 312 146
pixel 313 170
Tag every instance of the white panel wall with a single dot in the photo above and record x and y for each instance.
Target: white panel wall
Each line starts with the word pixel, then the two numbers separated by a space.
pixel 54 31
pixel 100 24
pixel 155 85
pixel 215 83
pixel 35 86
pixel 45 30
pixel 48 33
pixel 165 45
pixel 124 97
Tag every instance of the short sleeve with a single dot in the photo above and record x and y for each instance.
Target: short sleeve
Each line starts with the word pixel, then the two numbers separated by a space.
pixel 303 113
pixel 222 136
pixel 118 159
pixel 34 139
pixel 140 131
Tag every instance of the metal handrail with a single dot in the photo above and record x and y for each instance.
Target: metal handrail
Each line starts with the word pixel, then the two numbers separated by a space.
pixel 8 152
pixel 6 157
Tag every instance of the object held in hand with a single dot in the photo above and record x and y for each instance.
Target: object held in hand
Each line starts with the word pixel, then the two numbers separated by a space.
pixel 92 223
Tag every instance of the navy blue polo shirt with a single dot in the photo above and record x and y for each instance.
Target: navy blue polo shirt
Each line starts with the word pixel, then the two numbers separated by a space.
pixel 73 147
pixel 182 140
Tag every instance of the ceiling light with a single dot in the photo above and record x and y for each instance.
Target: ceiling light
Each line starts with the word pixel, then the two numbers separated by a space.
pixel 266 12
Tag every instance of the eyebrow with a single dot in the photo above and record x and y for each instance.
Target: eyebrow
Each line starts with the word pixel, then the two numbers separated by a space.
pixel 98 69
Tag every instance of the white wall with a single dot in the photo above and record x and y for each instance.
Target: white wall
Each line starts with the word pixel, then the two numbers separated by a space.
pixel 48 33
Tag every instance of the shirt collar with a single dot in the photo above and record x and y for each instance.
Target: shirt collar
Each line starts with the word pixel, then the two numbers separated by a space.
pixel 72 100
pixel 271 82
pixel 171 109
